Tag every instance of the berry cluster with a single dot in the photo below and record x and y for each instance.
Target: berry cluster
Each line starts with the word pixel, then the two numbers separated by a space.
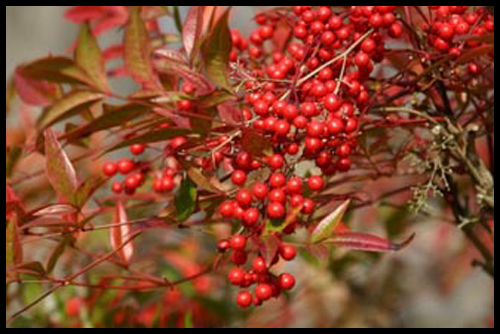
pixel 266 284
pixel 306 102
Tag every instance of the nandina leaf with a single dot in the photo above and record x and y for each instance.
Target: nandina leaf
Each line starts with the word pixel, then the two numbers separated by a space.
pixel 108 120
pixel 192 29
pixel 33 91
pixel 475 53
pixel 89 57
pixel 165 58
pixel 56 254
pixel 12 156
pixel 255 143
pixel 151 137
pixel 366 242
pixel 121 233
pixel 177 19
pixel 53 210
pixel 60 171
pixel 86 189
pixel 197 176
pixel 68 106
pixel 57 69
pixel 268 247
pixel 81 14
pixel 215 51
pixel 106 17
pixel 137 51
pixel 13 247
pixel 32 269
pixel 185 200
pixel 327 226
pixel 214 99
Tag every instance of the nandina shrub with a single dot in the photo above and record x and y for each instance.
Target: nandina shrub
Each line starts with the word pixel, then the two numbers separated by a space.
pixel 236 154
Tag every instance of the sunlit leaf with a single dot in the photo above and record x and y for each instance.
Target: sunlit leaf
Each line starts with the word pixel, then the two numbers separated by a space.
pixel 89 57
pixel 86 189
pixel 192 28
pixel 196 175
pixel 60 172
pixel 54 210
pixel 327 226
pixel 70 105
pixel 34 91
pixel 121 233
pixel 56 69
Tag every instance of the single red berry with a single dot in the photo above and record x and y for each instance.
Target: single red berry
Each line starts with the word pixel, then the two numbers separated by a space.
pixel 238 242
pixel 236 276
pixel 332 102
pixel 286 281
pixel 185 105
pixel 344 165
pixel 188 88
pixel 223 245
pixel 239 177
pixel 278 196
pixel 288 252
pixel 227 209
pixel 294 185
pixel 308 206
pixel 259 265
pixel 137 149
pixel 277 180
pixel 276 161
pixel 251 217
pixel 167 184
pixel 244 198
pixel 316 183
pixel 132 182
pixel 239 257
pixel 110 169
pixel 117 188
pixel 335 126
pixel 260 190
pixel 263 292
pixel 275 210
pixel 244 299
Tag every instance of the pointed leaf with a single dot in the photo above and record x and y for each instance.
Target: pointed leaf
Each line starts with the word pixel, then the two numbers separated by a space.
pixel 56 254
pixel 215 50
pixel 56 69
pixel 192 29
pixel 86 189
pixel 327 226
pixel 367 243
pixel 60 171
pixel 32 269
pixel 53 210
pixel 185 199
pixel 196 175
pixel 68 106
pixel 137 51
pixel 13 247
pixel 89 57
pixel 121 233
pixel 255 143
pixel 33 91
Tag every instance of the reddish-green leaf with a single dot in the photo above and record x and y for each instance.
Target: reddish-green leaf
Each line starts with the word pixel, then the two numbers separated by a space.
pixel 192 28
pixel 121 233
pixel 137 51
pixel 151 137
pixel 327 226
pixel 57 69
pixel 86 189
pixel 214 99
pixel 366 242
pixel 53 210
pixel 475 53
pixel 60 171
pixel 185 200
pixel 13 247
pixel 56 254
pixel 89 57
pixel 197 176
pixel 255 143
pixel 33 91
pixel 68 106
pixel 215 50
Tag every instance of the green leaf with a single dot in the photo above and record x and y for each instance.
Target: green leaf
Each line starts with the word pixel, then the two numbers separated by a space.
pixel 88 56
pixel 327 226
pixel 68 106
pixel 60 171
pixel 215 51
pixel 137 51
pixel 177 19
pixel 32 269
pixel 57 69
pixel 151 137
pixel 185 199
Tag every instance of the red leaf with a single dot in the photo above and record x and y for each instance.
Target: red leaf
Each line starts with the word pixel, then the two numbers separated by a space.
pixel 121 233
pixel 192 29
pixel 34 92
pixel 107 17
pixel 113 52
pixel 367 243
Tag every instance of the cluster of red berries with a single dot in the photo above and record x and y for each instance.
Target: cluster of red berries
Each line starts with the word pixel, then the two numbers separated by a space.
pixel 305 100
pixel 267 285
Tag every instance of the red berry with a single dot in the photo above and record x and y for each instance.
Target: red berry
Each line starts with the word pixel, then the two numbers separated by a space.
pixel 316 183
pixel 276 161
pixel 332 102
pixel 239 257
pixel 239 177
pixel 259 265
pixel 251 217
pixel 244 198
pixel 238 242
pixel 167 184
pixel 277 195
pixel 308 206
pixel 117 187
pixel 137 149
pixel 110 169
pixel 275 210
pixel 263 292
pixel 244 299
pixel 227 209
pixel 223 245
pixel 286 281
pixel 260 190
pixel 335 126
pixel 288 252
pixel 236 276
pixel 277 180
pixel 294 185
